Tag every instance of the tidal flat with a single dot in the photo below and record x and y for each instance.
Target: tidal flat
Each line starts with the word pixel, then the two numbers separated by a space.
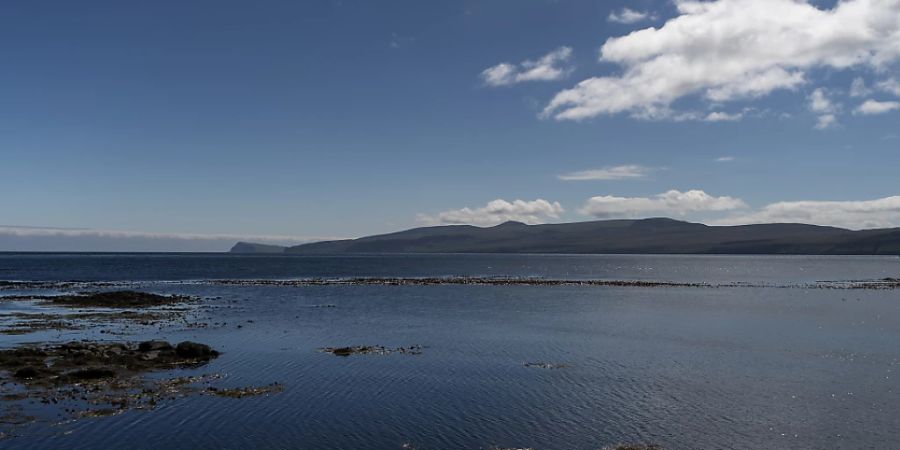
pixel 487 351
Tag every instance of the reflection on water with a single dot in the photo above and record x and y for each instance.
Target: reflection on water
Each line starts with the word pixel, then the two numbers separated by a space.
pixel 678 366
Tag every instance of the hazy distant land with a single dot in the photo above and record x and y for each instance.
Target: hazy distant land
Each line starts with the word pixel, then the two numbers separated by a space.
pixel 646 236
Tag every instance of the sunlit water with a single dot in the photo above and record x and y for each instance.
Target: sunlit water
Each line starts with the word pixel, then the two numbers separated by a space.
pixel 739 367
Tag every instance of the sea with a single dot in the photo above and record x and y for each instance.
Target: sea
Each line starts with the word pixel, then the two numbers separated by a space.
pixel 688 352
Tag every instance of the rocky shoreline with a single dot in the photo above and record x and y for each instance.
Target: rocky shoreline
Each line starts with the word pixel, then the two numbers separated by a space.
pixel 887 283
pixel 90 378
pixel 77 362
pixel 372 350
pixel 110 312
pixel 882 284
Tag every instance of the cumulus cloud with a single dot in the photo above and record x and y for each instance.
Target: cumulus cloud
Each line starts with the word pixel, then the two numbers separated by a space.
pixel 726 50
pixel 496 212
pixel 858 88
pixel 629 16
pixel 671 203
pixel 863 214
pixel 552 66
pixel 826 121
pixel 890 85
pixel 627 172
pixel 820 103
pixel 870 107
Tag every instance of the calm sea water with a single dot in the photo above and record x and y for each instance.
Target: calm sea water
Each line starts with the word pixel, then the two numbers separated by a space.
pixel 738 367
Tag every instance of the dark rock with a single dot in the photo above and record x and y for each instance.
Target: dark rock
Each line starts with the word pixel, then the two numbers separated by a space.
pixel 117 350
pixel 117 299
pixel 149 346
pixel 149 356
pixel 632 447
pixel 246 391
pixel 74 362
pixel 189 349
pixel 372 350
pixel 544 365
pixel 92 373
pixel 343 351
pixel 27 372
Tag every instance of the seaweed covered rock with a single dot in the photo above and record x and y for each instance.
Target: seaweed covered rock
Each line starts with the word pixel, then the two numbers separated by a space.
pixel 632 447
pixel 27 372
pixel 85 361
pixel 117 299
pixel 372 350
pixel 149 346
pixel 92 373
pixel 189 349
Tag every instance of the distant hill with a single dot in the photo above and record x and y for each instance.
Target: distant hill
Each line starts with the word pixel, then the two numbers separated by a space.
pixel 249 247
pixel 651 236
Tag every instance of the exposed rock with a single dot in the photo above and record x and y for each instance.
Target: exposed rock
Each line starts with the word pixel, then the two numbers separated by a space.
pixel 27 373
pixel 51 319
pixel 92 373
pixel 75 361
pixel 149 346
pixel 247 391
pixel 347 351
pixel 544 365
pixel 116 299
pixel 632 447
pixel 439 281
pixel 372 350
pixel 189 349
pixel 880 284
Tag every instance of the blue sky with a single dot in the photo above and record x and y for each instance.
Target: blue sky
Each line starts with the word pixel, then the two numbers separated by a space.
pixel 348 118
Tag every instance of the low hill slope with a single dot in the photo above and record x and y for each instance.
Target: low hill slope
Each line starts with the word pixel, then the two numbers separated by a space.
pixel 653 236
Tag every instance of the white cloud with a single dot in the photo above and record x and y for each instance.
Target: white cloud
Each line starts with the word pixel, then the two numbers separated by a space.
pixel 722 159
pixel 820 103
pixel 666 113
pixel 627 172
pixel 862 214
pixel 718 116
pixel 552 66
pixel 858 88
pixel 630 16
pixel 498 211
pixel 870 107
pixel 79 239
pixel 672 202
pixel 826 121
pixel 726 50
pixel 891 85
pixel 119 234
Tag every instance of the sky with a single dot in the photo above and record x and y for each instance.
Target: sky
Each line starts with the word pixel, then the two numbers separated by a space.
pixel 214 121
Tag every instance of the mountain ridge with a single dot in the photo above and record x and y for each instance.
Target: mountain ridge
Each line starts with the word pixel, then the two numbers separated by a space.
pixel 620 236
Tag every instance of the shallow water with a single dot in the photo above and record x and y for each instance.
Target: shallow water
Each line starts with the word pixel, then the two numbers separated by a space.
pixel 682 367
